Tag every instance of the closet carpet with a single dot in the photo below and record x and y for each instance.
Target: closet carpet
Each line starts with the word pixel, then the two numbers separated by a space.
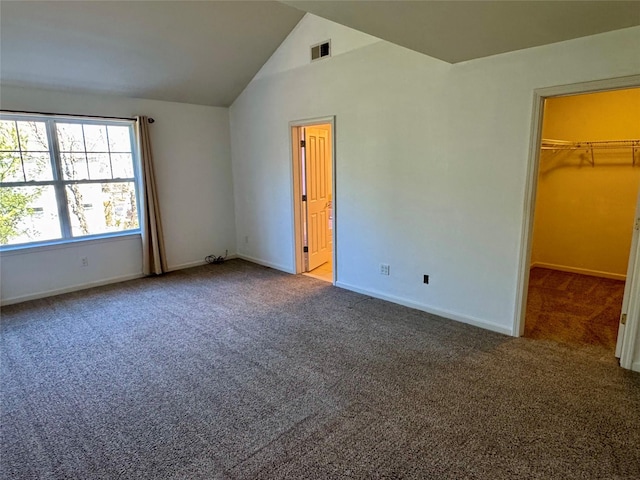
pixel 572 308
pixel 236 371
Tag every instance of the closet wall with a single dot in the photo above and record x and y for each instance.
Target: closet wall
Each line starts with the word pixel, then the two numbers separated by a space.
pixel 585 213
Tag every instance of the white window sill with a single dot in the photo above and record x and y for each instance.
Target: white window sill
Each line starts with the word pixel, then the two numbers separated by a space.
pixel 8 250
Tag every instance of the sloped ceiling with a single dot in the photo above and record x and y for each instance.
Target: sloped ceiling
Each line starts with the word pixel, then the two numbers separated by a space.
pixel 206 52
pixel 202 52
pixel 455 31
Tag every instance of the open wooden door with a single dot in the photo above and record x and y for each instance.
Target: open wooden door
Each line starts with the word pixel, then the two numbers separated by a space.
pixel 318 192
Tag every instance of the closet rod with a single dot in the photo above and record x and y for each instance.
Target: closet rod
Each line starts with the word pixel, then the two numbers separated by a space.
pixel 557 145
pixel 548 144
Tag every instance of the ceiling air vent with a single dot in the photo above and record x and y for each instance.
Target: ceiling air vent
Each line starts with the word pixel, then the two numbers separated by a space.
pixel 321 50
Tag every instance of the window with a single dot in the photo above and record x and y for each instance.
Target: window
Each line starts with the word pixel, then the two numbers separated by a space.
pixel 66 178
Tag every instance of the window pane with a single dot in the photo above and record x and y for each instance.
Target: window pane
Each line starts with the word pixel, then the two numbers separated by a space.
pixel 99 166
pixel 37 167
pixel 102 207
pixel 28 214
pixel 11 167
pixel 70 138
pixel 95 138
pixel 8 135
pixel 119 139
pixel 33 136
pixel 74 166
pixel 33 150
pixel 122 165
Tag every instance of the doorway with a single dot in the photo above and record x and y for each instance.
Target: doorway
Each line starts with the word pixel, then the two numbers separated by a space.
pixel 314 199
pixel 580 241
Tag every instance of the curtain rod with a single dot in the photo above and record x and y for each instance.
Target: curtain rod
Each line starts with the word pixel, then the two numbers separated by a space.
pixel 151 120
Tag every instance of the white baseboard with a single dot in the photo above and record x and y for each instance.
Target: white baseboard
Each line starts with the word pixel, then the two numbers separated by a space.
pixel 197 263
pixel 73 288
pixel 494 327
pixel 581 271
pixel 98 283
pixel 264 263
pixel 182 266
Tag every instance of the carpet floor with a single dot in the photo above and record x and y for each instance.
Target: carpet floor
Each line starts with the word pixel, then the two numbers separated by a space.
pixel 572 308
pixel 236 371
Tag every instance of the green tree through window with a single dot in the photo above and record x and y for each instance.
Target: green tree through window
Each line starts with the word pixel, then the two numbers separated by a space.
pixel 14 202
pixel 63 178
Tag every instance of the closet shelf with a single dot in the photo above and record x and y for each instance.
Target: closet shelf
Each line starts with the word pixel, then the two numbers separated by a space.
pixel 558 145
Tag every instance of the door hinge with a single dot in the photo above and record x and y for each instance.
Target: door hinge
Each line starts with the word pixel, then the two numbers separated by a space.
pixel 623 319
pixel 637 225
pixel 302 143
pixel 304 198
pixel 305 249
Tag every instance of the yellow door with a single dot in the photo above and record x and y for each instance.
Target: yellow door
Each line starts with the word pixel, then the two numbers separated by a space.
pixel 318 183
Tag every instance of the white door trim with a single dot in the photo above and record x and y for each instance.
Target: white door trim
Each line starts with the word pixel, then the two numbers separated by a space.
pixel 296 192
pixel 539 95
pixel 628 340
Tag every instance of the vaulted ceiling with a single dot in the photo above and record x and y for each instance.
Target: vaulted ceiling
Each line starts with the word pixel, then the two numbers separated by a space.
pixel 203 52
pixel 206 52
pixel 455 31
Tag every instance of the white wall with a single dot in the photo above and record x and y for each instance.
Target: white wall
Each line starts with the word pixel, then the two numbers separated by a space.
pixel 311 31
pixel 191 148
pixel 431 163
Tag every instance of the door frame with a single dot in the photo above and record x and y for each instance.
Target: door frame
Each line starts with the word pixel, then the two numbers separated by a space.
pixel 298 224
pixel 526 239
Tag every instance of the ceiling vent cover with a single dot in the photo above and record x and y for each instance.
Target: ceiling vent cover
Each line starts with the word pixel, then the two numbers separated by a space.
pixel 321 50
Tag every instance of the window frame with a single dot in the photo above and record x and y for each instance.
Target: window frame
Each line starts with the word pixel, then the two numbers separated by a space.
pixel 60 184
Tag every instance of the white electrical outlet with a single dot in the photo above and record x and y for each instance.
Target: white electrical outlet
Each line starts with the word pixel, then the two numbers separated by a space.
pixel 246 239
pixel 384 269
pixel 85 261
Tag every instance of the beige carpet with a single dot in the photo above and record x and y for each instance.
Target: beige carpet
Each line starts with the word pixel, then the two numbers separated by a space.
pixel 241 372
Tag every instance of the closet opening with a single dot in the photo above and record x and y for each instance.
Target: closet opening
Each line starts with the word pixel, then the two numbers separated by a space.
pixel 583 230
